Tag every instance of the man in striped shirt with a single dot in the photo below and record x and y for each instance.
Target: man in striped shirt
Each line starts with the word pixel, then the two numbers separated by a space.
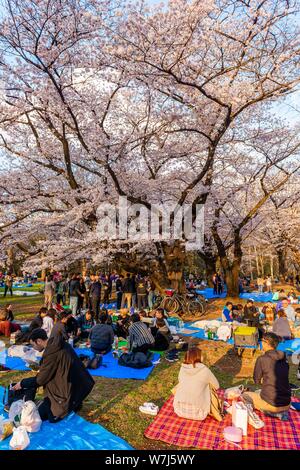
pixel 140 337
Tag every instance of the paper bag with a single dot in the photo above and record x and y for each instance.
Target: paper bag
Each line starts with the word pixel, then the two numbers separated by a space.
pixel 240 416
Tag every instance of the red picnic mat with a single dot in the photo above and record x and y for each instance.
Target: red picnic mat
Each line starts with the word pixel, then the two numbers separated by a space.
pixel 208 434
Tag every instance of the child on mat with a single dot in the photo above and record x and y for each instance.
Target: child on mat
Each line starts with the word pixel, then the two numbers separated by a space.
pixel 281 326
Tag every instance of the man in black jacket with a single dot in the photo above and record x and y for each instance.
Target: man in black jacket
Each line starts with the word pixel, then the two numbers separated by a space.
pixel 119 290
pixel 74 293
pixel 142 294
pixel 271 371
pixel 127 292
pixel 65 381
pixel 95 295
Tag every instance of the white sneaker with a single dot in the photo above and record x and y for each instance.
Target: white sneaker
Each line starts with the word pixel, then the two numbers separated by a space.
pixel 253 418
pixel 149 409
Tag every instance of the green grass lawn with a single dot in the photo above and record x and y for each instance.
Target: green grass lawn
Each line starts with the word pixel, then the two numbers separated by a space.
pixel 23 307
pixel 34 288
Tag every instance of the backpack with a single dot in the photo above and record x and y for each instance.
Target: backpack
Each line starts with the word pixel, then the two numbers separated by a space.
pixel 137 360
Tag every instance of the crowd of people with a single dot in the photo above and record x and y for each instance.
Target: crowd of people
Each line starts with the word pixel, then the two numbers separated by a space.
pixel 280 318
pixel 55 329
pixel 91 290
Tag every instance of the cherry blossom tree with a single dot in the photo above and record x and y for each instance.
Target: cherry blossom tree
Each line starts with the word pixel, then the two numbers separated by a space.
pixel 105 99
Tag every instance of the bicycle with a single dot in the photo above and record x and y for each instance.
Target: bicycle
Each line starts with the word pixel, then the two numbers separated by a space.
pixel 191 303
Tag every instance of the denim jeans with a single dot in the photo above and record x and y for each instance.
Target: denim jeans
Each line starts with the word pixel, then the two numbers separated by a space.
pixel 73 305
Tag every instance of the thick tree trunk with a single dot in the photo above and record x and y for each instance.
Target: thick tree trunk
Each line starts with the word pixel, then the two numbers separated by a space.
pixel 210 270
pixel 232 271
pixel 210 265
pixel 10 261
pixel 271 267
pixel 170 264
pixel 281 263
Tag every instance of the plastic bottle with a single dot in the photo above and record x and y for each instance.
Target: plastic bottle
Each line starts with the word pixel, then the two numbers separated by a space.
pixel 71 341
pixel 181 325
pixel 115 343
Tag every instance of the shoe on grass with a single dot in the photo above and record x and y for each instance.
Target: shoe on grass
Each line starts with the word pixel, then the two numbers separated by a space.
pixel 172 359
pixel 149 409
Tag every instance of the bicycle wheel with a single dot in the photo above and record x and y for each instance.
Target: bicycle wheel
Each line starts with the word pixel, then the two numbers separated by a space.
pixel 158 301
pixel 195 307
pixel 170 304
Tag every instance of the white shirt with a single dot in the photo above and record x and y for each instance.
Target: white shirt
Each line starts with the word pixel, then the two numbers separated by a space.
pixel 290 313
pixel 48 324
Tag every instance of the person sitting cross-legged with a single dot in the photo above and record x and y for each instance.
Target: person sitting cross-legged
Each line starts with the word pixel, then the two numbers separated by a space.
pixel 271 371
pixel 140 336
pixel 227 315
pixel 122 325
pixel 194 393
pixel 281 326
pixel 102 335
pixel 60 327
pixel 162 335
pixel 85 324
pixel 7 327
pixel 65 381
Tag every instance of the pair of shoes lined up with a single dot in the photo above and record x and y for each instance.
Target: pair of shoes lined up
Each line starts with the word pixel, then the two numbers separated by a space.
pixel 172 355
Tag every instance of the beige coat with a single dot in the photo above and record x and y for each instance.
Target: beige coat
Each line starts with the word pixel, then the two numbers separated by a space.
pixel 192 395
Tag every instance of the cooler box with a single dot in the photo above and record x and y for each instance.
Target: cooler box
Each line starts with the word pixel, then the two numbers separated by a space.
pixel 245 336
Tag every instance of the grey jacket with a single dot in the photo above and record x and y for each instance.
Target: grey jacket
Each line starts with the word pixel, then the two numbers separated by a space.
pixel 272 372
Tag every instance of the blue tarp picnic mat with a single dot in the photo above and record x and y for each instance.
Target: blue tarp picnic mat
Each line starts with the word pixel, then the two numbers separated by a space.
pixel 72 433
pixel 208 293
pixel 288 346
pixel 257 297
pixel 109 369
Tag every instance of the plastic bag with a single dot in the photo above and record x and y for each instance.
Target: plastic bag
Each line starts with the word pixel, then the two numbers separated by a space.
pixel 30 417
pixel 18 351
pixel 233 392
pixel 31 358
pixel 6 428
pixel 20 439
pixel 15 412
pixel 240 416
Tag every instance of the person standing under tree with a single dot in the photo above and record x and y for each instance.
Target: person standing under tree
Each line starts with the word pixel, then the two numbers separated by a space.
pixel 214 281
pixel 119 290
pixel 8 283
pixel 74 293
pixel 142 294
pixel 95 295
pixel 219 281
pixel 50 288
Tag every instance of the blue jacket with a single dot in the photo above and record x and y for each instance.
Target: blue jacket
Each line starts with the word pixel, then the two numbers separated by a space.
pixel 101 335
